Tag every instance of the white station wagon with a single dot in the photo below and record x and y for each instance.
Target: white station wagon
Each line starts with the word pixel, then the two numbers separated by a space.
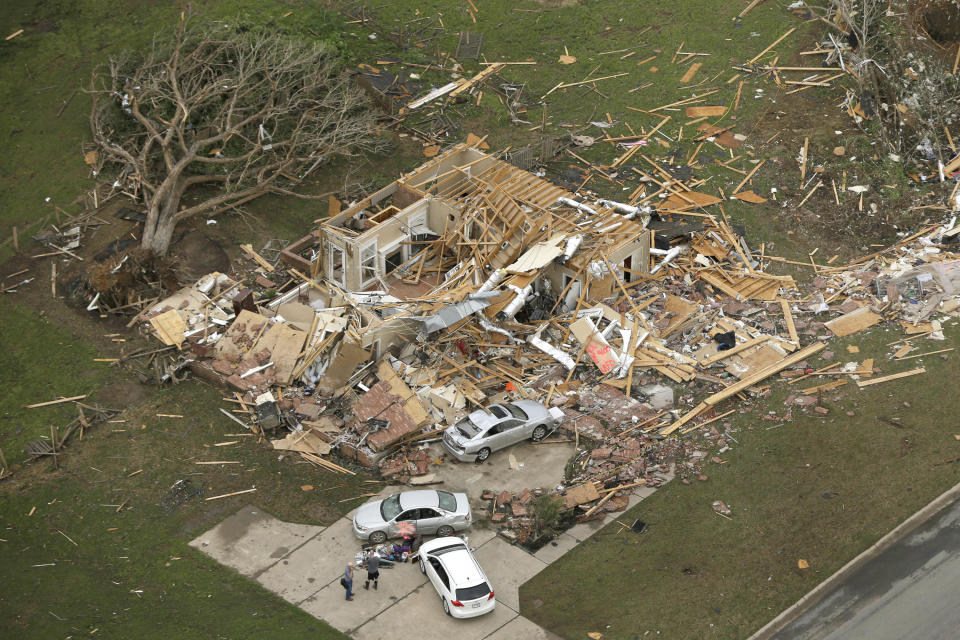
pixel 451 568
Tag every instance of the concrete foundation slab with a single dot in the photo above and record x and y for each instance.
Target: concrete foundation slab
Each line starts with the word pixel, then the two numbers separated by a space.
pixel 420 615
pixel 508 567
pixel 536 465
pixel 318 562
pixel 252 540
pixel 520 627
pixel 555 549
pixel 329 604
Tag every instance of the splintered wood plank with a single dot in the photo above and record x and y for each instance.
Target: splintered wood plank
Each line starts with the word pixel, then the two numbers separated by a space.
pixel 823 387
pixel 706 111
pixel 692 71
pixel 788 317
pixel 895 376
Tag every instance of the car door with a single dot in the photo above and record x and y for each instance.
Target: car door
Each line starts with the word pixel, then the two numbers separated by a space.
pixel 410 515
pixel 510 432
pixel 429 520
pixel 438 576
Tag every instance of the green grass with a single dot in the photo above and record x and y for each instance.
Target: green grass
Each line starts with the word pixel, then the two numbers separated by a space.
pixel 50 64
pixel 816 488
pixel 41 361
pixel 184 593
pixel 739 573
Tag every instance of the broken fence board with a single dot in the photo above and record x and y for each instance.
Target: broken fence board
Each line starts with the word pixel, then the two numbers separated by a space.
pixel 894 376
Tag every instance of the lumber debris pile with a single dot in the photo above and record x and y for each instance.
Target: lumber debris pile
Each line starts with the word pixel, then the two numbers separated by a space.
pixel 470 281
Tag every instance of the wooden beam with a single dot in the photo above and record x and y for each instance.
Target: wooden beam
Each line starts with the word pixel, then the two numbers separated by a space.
pixel 50 402
pixel 744 384
pixel 895 376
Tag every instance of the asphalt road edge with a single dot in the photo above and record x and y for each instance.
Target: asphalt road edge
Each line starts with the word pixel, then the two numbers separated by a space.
pixel 899 532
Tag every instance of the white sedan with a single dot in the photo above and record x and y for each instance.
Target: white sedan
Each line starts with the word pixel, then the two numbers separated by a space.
pixel 451 568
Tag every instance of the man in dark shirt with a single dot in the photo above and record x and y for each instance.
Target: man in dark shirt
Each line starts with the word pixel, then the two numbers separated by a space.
pixel 373 571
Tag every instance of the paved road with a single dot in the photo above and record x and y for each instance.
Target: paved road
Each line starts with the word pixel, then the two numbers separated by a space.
pixel 909 591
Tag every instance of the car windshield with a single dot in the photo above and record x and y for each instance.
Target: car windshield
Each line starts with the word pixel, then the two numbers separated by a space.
pixel 390 508
pixel 448 502
pixel 516 411
pixel 467 429
pixel 481 590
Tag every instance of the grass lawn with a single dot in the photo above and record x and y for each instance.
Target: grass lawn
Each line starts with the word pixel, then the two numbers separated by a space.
pixel 821 489
pixel 129 572
pixel 41 361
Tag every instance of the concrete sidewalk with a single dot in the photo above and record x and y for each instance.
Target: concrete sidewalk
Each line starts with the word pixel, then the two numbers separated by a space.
pixel 303 564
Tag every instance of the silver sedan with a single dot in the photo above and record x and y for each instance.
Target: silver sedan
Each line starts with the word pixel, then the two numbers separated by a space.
pixel 409 512
pixel 482 432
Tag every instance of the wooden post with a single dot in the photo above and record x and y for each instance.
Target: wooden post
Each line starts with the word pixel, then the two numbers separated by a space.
pixel 53 441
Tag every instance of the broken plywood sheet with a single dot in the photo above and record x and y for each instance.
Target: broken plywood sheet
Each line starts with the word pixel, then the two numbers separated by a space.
pixel 690 200
pixel 348 358
pixel 297 314
pixel 681 310
pixel 169 327
pixel 755 359
pixel 580 494
pixel 852 322
pixel 750 196
pixel 285 345
pixel 304 441
pixel 536 257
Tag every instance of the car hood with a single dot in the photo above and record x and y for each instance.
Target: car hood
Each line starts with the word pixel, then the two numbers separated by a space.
pixel 369 514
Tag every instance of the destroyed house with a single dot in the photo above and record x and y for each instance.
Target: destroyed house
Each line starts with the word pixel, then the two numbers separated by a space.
pixel 467 223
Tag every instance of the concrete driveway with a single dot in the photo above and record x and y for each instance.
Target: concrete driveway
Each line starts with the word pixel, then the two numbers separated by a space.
pixel 303 564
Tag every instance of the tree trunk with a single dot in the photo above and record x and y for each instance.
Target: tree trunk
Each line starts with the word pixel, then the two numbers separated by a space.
pixel 161 220
pixel 159 241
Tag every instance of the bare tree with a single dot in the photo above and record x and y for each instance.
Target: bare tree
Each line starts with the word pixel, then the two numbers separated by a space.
pixel 242 110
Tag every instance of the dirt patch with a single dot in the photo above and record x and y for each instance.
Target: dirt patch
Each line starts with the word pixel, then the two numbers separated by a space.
pixel 124 393
pixel 197 254
pixel 940 19
pixel 40 26
pixel 321 513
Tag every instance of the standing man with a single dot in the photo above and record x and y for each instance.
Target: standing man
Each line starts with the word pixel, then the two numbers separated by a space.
pixel 348 580
pixel 373 571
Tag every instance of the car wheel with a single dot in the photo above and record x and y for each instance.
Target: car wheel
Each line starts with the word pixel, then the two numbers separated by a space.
pixel 423 569
pixel 539 433
pixel 446 605
pixel 445 530
pixel 483 454
pixel 378 537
